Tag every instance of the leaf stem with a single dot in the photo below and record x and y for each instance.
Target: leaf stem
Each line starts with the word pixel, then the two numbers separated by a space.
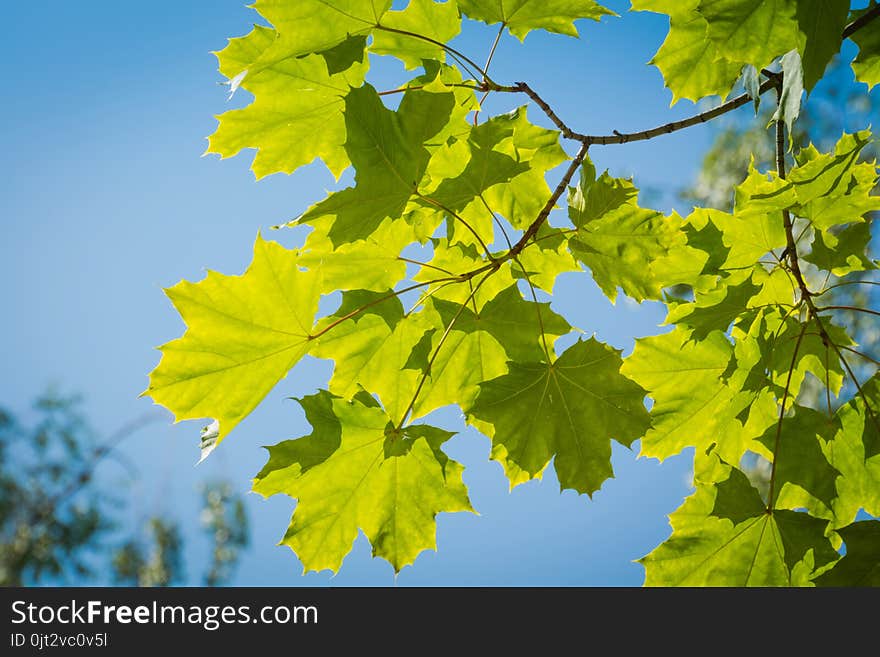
pixel 416 87
pixel 461 220
pixel 464 60
pixel 785 392
pixel 390 295
pixel 442 340
pixel 861 354
pixel 486 68
pixel 425 264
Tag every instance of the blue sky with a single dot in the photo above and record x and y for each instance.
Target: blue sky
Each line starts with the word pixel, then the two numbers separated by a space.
pixel 107 200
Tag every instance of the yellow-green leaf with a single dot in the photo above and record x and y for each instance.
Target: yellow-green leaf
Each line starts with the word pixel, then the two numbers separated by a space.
pixel 243 335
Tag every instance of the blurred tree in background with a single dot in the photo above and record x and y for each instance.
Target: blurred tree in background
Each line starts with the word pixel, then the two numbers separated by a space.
pixel 60 525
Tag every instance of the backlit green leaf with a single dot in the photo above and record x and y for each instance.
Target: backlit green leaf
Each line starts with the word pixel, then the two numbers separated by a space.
pixel 569 411
pixel 243 335
pixel 523 16
pixel 357 472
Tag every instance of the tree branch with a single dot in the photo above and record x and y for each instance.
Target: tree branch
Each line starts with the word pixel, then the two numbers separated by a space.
pixel 861 21
pixel 532 230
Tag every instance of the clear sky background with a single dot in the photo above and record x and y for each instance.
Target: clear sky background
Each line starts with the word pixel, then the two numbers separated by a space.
pixel 106 200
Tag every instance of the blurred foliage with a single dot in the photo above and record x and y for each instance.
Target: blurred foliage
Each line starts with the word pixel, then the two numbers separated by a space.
pixel 60 525
pixel 225 521
pixel 154 560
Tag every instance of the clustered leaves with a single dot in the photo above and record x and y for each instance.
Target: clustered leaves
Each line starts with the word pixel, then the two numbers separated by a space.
pixel 470 326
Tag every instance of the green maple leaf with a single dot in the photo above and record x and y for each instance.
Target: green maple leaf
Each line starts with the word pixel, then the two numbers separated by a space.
pixel 523 16
pixel 512 321
pixel 620 244
pixel 545 258
pixel 723 536
pixel 762 193
pixel 477 349
pixel 748 238
pixel 569 411
pixel 843 252
pixel 594 197
pixel 827 174
pixel 693 404
pixel 821 24
pixel 497 170
pixel 356 471
pixel 244 333
pixel 369 264
pixel 778 341
pixel 486 166
pixel 833 188
pixel 524 197
pixel 866 65
pixel 370 350
pixel 460 258
pixel 466 359
pixel 716 309
pixel 860 566
pixel 296 115
pixel 855 452
pixel 751 31
pixel 435 20
pixel 388 152
pixel 700 261
pixel 692 65
pixel 795 445
pixel 310 26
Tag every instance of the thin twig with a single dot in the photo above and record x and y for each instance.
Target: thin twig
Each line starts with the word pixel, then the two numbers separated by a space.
pixel 486 68
pixel 464 59
pixel 460 219
pixel 844 283
pixel 416 87
pixel 390 295
pixel 425 264
pixel 852 308
pixel 861 354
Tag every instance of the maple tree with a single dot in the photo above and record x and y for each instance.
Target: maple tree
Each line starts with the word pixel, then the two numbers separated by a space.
pixel 747 291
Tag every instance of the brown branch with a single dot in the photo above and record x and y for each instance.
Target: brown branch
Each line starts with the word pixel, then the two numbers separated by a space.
pixel 791 243
pixel 861 21
pixel 618 137
pixel 545 107
pixel 532 230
